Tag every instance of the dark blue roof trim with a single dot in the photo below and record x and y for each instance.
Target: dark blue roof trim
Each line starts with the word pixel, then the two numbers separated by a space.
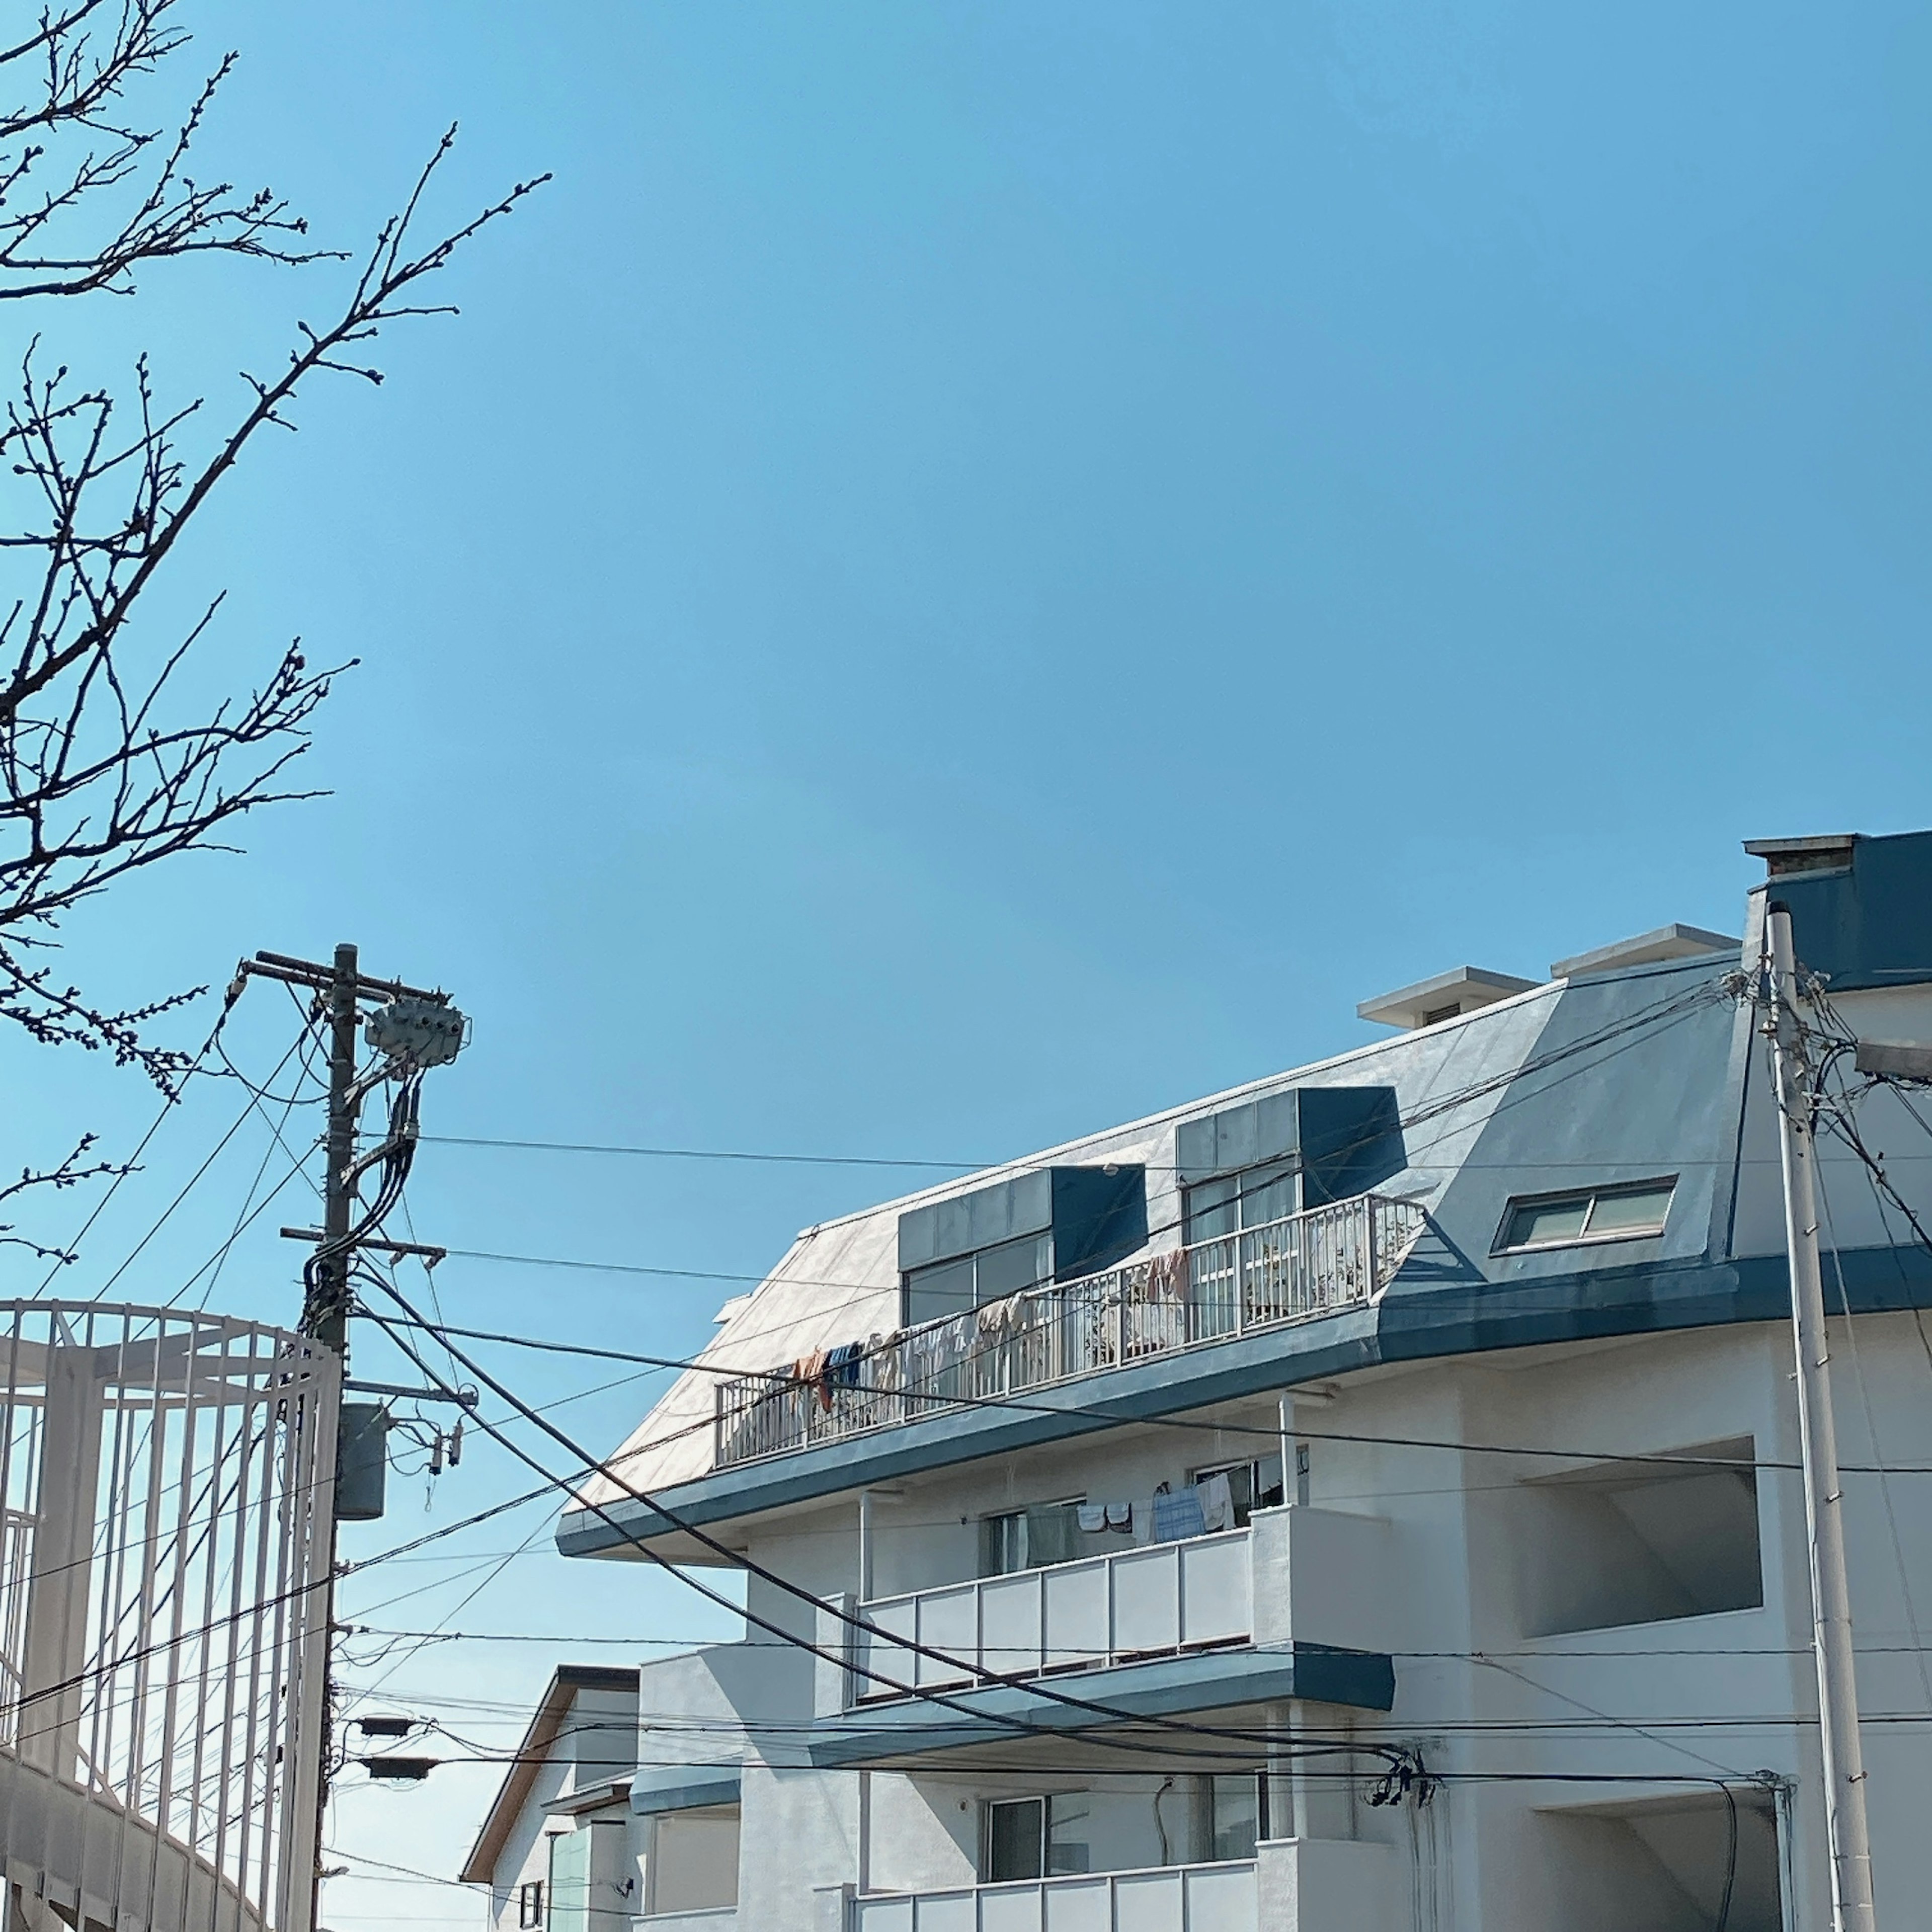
pixel 702 1784
pixel 1436 1316
pixel 1208 1680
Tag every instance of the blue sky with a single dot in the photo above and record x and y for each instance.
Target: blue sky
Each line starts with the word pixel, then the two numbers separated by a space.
pixel 970 572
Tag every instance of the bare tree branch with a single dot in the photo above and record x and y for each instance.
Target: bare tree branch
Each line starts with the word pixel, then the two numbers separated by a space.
pixel 107 766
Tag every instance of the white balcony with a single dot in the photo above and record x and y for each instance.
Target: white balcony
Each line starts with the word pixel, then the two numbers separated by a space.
pixel 1101 1610
pixel 1294 1575
pixel 1173 1898
pixel 1311 1263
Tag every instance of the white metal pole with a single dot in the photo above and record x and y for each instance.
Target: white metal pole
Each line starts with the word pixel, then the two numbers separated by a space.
pixel 1824 1516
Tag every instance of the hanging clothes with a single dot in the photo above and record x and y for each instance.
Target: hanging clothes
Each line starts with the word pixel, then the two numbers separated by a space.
pixel 811 1371
pixel 1177 1514
pixel 842 1364
pixel 1217 1503
pixel 1091 1516
pixel 1120 1515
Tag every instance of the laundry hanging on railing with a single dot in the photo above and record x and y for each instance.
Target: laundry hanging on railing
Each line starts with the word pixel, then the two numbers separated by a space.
pixel 1177 1514
pixel 1217 1503
pixel 809 1371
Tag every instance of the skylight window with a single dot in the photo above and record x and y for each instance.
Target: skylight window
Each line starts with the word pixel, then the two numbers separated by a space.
pixel 1620 1214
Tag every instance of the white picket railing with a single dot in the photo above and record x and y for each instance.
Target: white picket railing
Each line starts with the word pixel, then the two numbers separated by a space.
pixel 1137 1602
pixel 1172 1898
pixel 1309 1263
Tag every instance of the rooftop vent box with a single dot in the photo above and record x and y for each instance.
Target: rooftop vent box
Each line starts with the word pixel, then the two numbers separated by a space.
pixel 1447 997
pixel 1647 948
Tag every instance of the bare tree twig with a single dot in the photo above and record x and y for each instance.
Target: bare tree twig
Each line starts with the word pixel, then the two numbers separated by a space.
pixel 109 765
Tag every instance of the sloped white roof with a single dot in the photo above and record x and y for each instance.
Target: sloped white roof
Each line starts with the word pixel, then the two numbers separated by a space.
pixel 839 1282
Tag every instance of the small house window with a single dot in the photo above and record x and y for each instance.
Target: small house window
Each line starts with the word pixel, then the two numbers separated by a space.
pixel 530 1906
pixel 1620 1213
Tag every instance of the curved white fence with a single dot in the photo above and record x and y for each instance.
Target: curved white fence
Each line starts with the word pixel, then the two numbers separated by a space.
pixel 166 1482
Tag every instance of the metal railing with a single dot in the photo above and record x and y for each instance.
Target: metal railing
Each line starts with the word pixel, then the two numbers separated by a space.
pixel 1219 1898
pixel 1306 1265
pixel 1098 1610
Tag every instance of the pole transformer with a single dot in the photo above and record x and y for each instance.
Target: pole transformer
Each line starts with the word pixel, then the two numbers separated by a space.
pixel 1848 1839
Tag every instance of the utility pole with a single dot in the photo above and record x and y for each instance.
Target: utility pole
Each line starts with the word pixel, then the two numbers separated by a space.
pixel 1850 1843
pixel 327 1320
pixel 409 1030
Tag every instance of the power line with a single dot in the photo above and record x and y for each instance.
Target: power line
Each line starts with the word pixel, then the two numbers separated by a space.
pixel 1270 1432
pixel 784 1584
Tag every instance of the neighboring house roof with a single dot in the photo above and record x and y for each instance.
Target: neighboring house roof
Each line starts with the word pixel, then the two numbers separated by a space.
pixel 480 1867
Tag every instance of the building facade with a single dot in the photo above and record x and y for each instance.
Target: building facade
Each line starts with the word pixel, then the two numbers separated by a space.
pixel 1369 1498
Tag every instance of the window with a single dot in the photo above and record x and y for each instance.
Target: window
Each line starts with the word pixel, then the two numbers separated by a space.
pixel 1233 1816
pixel 1037 1838
pixel 1029 1539
pixel 530 1906
pixel 1596 1214
pixel 957 1287
pixel 1015 1839
pixel 1251 1198
pixel 1254 1486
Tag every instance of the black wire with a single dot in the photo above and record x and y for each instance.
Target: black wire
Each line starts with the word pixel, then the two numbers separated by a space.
pixel 1264 1431
pixel 738 1560
pixel 1730 1862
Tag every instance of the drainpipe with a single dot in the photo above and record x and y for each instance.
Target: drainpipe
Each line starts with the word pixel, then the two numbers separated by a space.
pixel 864 1546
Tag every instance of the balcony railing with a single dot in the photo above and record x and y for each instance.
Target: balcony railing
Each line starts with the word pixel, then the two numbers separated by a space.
pixel 1309 1263
pixel 1135 1602
pixel 1172 1898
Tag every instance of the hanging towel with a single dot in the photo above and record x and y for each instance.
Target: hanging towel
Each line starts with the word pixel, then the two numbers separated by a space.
pixel 812 1372
pixel 1091 1516
pixel 1120 1515
pixel 1142 1524
pixel 1176 1515
pixel 1217 1503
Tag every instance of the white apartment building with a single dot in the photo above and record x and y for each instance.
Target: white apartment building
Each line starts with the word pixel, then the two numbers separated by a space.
pixel 1366 1501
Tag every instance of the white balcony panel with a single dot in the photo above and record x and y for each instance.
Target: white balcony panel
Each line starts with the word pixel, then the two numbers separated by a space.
pixel 1009 1625
pixel 1147 1599
pixel 1178 1898
pixel 1150 1902
pixel 894 1660
pixel 1010 1909
pixel 948 1911
pixel 1221 1898
pixel 1079 1905
pixel 948 1622
pixel 1215 1586
pixel 1077 1601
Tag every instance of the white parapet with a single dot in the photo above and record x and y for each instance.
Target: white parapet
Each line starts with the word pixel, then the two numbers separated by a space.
pixel 1325 1884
